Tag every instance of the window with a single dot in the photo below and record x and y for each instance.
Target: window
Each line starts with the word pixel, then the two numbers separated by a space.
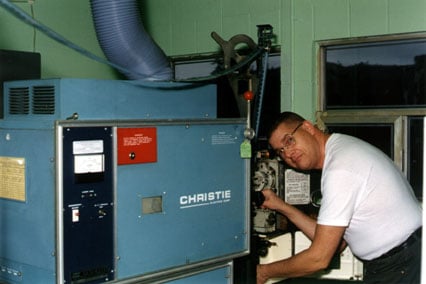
pixel 379 74
pixel 374 88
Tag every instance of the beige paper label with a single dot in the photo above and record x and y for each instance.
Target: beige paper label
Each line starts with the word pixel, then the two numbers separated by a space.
pixel 12 178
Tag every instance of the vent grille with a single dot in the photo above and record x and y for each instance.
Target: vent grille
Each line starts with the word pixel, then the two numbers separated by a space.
pixel 19 100
pixel 37 100
pixel 43 100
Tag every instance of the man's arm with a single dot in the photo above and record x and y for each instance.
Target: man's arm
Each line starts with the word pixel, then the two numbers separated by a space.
pixel 302 221
pixel 317 257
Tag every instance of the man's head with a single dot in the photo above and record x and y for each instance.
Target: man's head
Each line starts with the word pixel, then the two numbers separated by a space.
pixel 297 141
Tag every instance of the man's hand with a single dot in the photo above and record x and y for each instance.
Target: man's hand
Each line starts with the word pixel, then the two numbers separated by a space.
pixel 272 201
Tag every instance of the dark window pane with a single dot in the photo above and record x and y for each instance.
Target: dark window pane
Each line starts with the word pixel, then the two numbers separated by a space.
pixel 389 74
pixel 415 154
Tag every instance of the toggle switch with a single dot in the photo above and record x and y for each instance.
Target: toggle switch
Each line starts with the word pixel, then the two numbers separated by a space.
pixel 75 215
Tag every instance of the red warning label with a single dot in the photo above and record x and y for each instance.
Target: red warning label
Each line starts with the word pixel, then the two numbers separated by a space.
pixel 136 145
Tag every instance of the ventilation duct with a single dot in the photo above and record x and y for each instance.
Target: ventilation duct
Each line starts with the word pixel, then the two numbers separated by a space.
pixel 125 41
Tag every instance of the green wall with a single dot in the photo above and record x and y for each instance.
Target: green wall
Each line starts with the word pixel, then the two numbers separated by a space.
pixel 184 26
pixel 72 20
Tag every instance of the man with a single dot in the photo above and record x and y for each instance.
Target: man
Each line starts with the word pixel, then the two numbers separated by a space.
pixel 366 203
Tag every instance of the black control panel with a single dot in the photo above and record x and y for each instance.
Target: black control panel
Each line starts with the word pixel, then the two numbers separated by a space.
pixel 88 205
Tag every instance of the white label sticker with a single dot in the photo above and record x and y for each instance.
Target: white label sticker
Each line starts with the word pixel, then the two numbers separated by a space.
pixel 297 187
pixel 223 138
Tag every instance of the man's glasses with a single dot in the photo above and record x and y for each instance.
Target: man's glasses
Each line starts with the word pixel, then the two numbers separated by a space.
pixel 288 141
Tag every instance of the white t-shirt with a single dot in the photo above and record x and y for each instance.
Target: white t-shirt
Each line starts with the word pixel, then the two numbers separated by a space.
pixel 363 190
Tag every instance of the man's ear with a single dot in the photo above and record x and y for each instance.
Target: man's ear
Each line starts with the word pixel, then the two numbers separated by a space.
pixel 309 127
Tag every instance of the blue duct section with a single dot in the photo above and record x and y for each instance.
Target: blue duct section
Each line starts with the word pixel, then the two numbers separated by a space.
pixel 125 41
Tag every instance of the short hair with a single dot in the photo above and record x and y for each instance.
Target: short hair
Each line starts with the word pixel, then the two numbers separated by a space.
pixel 285 117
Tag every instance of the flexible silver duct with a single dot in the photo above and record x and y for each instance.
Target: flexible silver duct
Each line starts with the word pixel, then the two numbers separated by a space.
pixel 125 42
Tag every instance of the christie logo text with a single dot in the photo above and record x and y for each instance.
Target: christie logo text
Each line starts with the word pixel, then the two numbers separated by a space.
pixel 204 199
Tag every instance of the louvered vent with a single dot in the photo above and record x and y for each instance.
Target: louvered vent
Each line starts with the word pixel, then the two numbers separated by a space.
pixel 19 102
pixel 43 100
